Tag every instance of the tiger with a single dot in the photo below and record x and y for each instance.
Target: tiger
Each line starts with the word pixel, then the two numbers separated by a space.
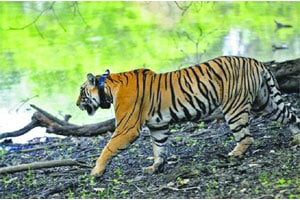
pixel 232 85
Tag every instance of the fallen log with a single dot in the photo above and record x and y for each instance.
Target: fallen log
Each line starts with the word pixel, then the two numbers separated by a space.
pixel 41 165
pixel 287 74
pixel 41 118
pixel 60 127
pixel 22 131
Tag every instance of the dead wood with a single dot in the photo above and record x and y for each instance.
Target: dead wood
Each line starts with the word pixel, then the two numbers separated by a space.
pixel 57 189
pixel 52 124
pixel 287 74
pixel 47 146
pixel 41 165
pixel 22 131
pixel 60 127
pixel 50 117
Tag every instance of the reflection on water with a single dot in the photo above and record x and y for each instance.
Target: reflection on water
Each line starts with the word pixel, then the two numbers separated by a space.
pixel 243 42
pixel 55 88
pixel 236 42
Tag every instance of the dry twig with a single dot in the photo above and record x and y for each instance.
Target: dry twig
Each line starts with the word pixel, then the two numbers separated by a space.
pixel 40 165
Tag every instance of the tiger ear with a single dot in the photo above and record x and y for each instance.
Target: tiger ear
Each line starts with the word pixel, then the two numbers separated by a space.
pixel 107 72
pixel 91 78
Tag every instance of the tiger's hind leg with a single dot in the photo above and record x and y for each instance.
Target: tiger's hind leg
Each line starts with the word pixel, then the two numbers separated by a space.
pixel 238 121
pixel 159 139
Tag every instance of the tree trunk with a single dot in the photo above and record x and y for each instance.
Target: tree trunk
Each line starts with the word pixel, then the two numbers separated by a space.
pixel 287 75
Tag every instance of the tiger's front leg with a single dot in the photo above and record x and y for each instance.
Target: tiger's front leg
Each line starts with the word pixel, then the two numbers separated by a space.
pixel 119 141
pixel 239 124
pixel 159 139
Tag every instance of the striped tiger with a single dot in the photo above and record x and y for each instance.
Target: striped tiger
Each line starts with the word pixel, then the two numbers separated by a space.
pixel 235 86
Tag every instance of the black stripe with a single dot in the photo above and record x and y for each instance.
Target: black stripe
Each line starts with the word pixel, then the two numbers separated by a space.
pixel 278 115
pixel 279 101
pixel 164 127
pixel 216 96
pixel 229 104
pixel 208 72
pixel 159 108
pixel 173 115
pixel 151 85
pixel 163 140
pixel 236 116
pixel 200 69
pixel 188 95
pixel 188 74
pixel 220 65
pixel 195 74
pixel 240 127
pixel 166 81
pixel 188 85
pixel 293 118
pixel 126 77
pixel 185 110
pixel 203 93
pixel 201 105
pixel 244 137
pixel 173 95
pixel 158 86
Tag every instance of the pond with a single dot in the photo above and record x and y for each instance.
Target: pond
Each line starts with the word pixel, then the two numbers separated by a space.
pixel 47 48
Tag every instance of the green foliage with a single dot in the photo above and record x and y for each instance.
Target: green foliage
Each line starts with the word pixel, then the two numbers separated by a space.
pixel 201 125
pixel 3 152
pixel 30 179
pixel 119 172
pixel 51 57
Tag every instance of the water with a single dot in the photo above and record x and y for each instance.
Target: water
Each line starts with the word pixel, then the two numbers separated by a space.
pixel 46 63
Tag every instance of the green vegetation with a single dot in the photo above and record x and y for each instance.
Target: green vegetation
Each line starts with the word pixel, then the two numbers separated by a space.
pixel 47 48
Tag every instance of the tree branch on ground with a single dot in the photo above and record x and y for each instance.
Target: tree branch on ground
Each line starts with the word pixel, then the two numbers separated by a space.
pixel 41 165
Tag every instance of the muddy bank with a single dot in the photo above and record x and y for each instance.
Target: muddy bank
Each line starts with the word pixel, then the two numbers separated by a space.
pixel 197 166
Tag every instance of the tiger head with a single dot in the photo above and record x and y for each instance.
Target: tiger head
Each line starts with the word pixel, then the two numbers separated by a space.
pixel 89 99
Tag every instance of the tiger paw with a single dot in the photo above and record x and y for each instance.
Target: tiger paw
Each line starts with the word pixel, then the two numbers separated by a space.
pixel 241 147
pixel 96 171
pixel 157 167
pixel 235 153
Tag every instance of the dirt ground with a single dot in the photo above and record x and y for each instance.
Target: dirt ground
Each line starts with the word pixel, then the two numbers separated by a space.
pixel 197 166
